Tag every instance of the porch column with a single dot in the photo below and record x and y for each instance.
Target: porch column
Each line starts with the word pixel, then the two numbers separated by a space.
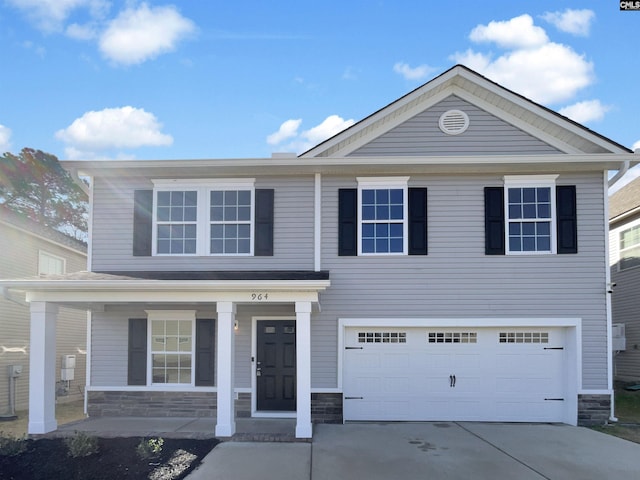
pixel 226 424
pixel 303 370
pixel 42 368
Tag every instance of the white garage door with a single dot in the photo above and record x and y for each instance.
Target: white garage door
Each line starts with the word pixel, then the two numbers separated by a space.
pixel 479 374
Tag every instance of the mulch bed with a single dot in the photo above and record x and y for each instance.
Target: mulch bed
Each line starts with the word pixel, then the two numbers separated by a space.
pixel 48 458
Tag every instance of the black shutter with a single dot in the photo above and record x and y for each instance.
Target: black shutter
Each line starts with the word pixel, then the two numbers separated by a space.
pixel 347 222
pixel 494 221
pixel 417 221
pixel 137 358
pixel 205 352
pixel 142 222
pixel 567 219
pixel 263 246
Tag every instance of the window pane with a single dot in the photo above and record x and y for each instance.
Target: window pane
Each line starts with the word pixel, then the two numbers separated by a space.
pixel 396 245
pixel 514 244
pixel 244 213
pixel 396 212
pixel 382 230
pixel 544 228
pixel 368 245
pixel 515 211
pixel 368 197
pixel 396 230
pixel 230 246
pixel 191 198
pixel 217 231
pixel 216 198
pixel 382 245
pixel 177 214
pixel 544 244
pixel 163 246
pixel 172 344
pixel 244 246
pixel 382 212
pixel 368 229
pixel 171 327
pixel 514 228
pixel 515 195
pixel 244 231
pixel 163 214
pixel 190 214
pixel 158 360
pixel 528 211
pixel 368 213
pixel 231 197
pixel 190 246
pixel 382 196
pixel 544 210
pixel 544 194
pixel 528 228
pixel 177 246
pixel 230 214
pixel 217 214
pixel 244 197
pixel 528 195
pixel 164 198
pixel 396 196
pixel 528 244
pixel 217 246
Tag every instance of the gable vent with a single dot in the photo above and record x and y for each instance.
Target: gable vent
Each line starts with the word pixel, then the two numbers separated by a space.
pixel 453 122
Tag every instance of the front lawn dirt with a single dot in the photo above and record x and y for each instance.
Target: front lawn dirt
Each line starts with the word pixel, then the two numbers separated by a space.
pixel 116 458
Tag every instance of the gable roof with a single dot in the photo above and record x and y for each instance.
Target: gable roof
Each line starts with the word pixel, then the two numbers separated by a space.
pixel 625 201
pixel 15 220
pixel 561 132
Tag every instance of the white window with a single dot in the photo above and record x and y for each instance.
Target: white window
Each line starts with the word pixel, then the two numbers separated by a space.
pixel 630 247
pixel 172 347
pixel 530 214
pixel 383 207
pixel 50 264
pixel 203 217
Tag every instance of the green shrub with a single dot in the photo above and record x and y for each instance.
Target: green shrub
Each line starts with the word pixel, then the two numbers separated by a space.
pixel 11 446
pixel 81 445
pixel 149 448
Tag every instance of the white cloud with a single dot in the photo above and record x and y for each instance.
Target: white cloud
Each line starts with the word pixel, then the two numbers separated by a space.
pixel 307 139
pixel 50 15
pixel 576 22
pixel 545 72
pixel 139 34
pixel 5 139
pixel 112 128
pixel 287 130
pixel 81 32
pixel 519 32
pixel 412 73
pixel 586 111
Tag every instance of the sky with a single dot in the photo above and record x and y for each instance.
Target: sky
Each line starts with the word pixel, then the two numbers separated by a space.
pixel 100 79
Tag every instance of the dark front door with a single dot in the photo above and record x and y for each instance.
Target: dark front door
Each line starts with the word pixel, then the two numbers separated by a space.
pixel 276 365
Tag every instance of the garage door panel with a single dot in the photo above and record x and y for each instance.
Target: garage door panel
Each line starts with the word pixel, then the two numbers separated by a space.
pixel 500 374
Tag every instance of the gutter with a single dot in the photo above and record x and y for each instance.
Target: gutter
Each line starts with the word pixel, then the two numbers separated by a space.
pixel 76 178
pixel 7 296
pixel 624 167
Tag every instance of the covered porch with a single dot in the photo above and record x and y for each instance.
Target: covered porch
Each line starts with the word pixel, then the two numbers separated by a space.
pixel 161 295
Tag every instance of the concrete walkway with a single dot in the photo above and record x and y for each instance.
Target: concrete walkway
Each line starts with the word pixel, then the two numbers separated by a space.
pixel 441 450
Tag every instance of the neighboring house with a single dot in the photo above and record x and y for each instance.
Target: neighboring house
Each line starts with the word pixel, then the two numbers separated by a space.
pixel 624 258
pixel 442 259
pixel 29 249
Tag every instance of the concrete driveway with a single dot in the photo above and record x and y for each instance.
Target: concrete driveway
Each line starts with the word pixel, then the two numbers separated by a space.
pixel 440 450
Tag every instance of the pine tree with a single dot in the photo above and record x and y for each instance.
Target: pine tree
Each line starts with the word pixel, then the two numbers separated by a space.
pixel 34 184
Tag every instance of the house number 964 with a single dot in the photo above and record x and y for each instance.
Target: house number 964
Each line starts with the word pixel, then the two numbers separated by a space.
pixel 259 297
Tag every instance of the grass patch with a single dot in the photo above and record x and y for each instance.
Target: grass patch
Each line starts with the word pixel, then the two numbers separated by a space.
pixel 628 406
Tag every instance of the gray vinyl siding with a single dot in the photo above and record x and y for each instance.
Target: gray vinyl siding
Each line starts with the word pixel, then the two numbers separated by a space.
pixel 457 280
pixel 19 259
pixel 113 237
pixel 486 135
pixel 625 306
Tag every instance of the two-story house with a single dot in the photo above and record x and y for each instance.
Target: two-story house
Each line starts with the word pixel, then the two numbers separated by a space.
pixel 29 249
pixel 443 259
pixel 624 259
